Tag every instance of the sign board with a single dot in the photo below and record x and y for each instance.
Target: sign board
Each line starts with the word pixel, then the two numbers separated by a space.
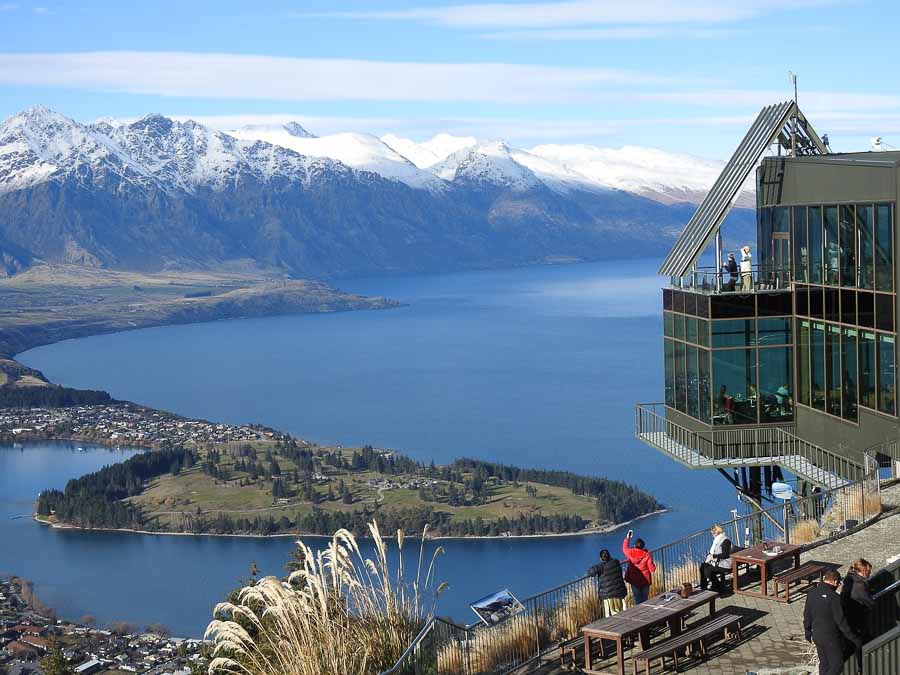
pixel 782 491
pixel 497 607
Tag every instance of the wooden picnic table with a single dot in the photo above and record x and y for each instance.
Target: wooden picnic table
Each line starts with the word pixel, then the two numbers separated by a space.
pixel 639 619
pixel 757 557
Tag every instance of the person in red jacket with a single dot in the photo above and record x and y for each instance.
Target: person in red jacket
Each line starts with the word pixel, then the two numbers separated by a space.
pixel 640 568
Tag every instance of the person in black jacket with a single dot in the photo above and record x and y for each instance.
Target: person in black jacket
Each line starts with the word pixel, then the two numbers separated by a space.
pixel 612 584
pixel 857 601
pixel 732 269
pixel 825 625
pixel 856 597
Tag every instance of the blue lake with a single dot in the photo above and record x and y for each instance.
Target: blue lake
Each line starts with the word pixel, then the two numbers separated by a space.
pixel 536 367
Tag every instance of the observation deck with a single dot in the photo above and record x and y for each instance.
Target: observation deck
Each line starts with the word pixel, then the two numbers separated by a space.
pixel 745 447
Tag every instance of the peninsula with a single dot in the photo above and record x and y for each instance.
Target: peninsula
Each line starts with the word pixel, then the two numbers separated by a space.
pixel 202 477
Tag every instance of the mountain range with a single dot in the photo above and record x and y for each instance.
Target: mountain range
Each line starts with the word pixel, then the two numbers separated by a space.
pixel 158 193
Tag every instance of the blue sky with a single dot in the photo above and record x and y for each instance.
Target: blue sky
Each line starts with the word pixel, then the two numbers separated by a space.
pixel 682 75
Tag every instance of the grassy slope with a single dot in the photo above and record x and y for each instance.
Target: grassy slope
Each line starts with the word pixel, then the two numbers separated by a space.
pixel 46 303
pixel 169 496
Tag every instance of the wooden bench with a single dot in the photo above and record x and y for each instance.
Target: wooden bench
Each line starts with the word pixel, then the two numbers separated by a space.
pixel 729 623
pixel 808 571
pixel 570 648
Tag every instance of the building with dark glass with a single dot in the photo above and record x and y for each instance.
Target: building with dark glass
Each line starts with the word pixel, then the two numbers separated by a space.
pixel 798 347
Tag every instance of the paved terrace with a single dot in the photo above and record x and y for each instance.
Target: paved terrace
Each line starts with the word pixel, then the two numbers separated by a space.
pixel 773 631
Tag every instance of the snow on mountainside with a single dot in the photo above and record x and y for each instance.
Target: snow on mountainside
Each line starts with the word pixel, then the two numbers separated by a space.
pixel 426 154
pixel 659 175
pixel 487 164
pixel 359 151
pixel 39 145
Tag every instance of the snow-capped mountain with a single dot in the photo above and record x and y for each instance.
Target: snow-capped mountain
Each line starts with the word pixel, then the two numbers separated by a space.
pixel 424 155
pixel 158 193
pixel 487 164
pixel 360 151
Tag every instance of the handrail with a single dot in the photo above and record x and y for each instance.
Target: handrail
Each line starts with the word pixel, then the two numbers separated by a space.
pixel 767 444
pixel 426 629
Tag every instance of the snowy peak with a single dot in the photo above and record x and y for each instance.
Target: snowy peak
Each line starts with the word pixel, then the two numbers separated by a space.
pixel 364 152
pixel 662 176
pixel 487 164
pixel 429 153
pixel 38 145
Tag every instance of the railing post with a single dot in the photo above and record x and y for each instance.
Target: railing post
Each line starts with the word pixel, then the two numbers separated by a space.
pixel 787 524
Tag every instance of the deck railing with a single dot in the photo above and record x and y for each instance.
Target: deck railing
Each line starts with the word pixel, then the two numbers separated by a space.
pixel 750 445
pixel 708 280
pixel 803 520
pixel 558 614
pixel 546 619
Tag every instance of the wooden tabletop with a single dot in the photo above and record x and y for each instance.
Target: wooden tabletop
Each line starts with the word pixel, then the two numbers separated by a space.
pixel 637 618
pixel 755 554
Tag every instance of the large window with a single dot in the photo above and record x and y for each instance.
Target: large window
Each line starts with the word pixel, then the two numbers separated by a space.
pixel 703 373
pixel 680 379
pixel 803 362
pixel 832 246
pixel 867 369
pixel 865 223
pixel 801 254
pixel 734 384
pixel 848 373
pixel 817 365
pixel 886 402
pixel 884 248
pixel 775 391
pixel 816 262
pixel 670 372
pixel 848 246
pixel 833 369
pixel 734 333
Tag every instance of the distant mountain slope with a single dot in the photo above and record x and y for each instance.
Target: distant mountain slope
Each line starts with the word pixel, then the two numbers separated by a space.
pixel 160 194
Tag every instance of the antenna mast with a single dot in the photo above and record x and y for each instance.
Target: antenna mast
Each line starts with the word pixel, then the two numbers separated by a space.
pixel 792 78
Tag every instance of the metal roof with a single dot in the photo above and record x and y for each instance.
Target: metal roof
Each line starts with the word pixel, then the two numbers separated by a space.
pixel 773 123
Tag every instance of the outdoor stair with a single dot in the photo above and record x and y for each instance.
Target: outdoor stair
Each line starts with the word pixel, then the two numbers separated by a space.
pixel 691 457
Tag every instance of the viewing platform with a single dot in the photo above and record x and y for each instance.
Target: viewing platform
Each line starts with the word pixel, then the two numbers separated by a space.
pixel 736 448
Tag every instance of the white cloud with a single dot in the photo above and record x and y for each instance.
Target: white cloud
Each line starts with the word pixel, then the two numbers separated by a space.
pixel 8 7
pixel 612 33
pixel 237 76
pixel 583 13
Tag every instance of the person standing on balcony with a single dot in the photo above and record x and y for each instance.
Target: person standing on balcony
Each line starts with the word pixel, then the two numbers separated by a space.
pixel 732 269
pixel 825 625
pixel 641 567
pixel 718 561
pixel 746 269
pixel 612 586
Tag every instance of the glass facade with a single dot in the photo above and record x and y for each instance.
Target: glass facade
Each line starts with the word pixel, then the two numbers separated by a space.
pixel 730 370
pixel 845 306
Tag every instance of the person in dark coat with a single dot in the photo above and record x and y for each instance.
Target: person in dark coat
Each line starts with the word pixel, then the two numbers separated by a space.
pixel 732 268
pixel 825 625
pixel 857 601
pixel 612 583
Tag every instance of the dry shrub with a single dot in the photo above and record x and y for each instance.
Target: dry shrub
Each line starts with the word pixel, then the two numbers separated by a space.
pixel 339 613
pixel 579 607
pixel 805 532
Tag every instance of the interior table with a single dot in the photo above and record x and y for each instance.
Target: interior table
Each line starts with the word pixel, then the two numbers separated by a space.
pixel 756 556
pixel 637 621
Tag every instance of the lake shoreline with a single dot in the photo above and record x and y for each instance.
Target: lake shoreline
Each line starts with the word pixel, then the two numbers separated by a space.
pixel 546 535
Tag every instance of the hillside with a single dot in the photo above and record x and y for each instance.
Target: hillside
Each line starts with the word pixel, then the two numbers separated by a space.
pixel 284 486
pixel 159 195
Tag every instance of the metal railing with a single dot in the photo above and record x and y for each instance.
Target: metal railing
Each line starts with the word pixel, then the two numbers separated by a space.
pixel 886 455
pixel 709 280
pixel 557 615
pixel 744 446
pixel 805 520
pixel 546 620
